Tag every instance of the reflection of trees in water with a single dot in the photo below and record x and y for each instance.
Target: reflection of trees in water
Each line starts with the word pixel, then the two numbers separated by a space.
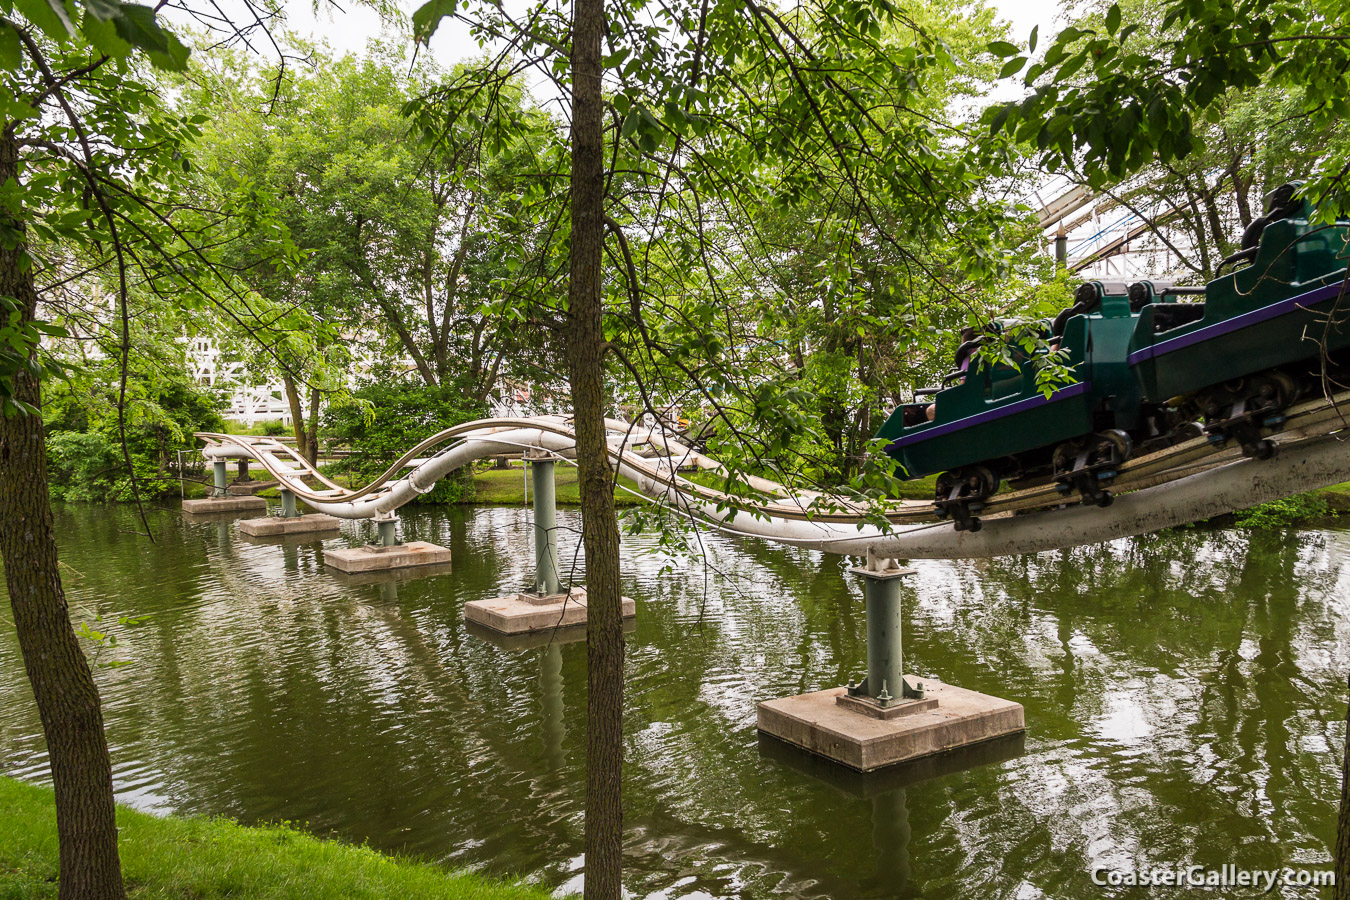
pixel 264 688
pixel 1216 645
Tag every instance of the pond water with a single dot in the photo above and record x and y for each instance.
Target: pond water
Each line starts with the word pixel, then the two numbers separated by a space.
pixel 1184 693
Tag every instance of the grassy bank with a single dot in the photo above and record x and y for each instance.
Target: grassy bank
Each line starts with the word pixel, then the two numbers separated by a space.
pixel 504 487
pixel 203 859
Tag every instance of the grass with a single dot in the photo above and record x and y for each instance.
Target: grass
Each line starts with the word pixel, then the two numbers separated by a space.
pixel 203 859
pixel 505 487
pixel 918 489
pixel 273 428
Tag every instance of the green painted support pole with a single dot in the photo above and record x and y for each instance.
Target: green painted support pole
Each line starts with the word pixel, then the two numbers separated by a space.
pixel 243 469
pixel 885 660
pixel 288 510
pixel 388 531
pixel 220 475
pixel 885 681
pixel 1061 247
pixel 546 580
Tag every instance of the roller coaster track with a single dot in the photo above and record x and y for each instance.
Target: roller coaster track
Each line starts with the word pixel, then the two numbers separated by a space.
pixel 1189 481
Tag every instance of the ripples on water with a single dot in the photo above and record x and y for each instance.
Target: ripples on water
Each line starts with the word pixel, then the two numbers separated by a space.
pixel 1184 698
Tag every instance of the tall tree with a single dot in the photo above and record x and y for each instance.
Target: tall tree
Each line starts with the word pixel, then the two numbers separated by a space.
pixel 685 126
pixel 59 183
pixel 585 336
pixel 405 241
pixel 91 168
pixel 63 685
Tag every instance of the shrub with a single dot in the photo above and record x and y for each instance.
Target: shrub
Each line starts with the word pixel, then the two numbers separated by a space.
pixel 84 452
pixel 82 466
pixel 1284 512
pixel 385 420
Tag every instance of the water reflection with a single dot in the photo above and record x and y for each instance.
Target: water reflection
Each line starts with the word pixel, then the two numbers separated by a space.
pixel 1184 697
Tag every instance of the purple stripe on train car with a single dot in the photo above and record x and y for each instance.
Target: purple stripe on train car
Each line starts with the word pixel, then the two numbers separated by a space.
pixel 1072 390
pixel 1255 317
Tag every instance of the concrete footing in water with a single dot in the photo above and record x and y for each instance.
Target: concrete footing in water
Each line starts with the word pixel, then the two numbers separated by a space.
pixel 888 717
pixel 526 613
pixel 830 723
pixel 272 526
pixel 224 505
pixel 374 557
pixel 249 488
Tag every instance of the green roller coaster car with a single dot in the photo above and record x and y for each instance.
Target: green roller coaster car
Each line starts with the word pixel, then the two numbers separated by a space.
pixel 1146 367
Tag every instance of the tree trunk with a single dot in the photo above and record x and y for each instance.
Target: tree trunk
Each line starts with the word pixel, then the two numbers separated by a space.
pixel 297 413
pixel 1342 889
pixel 311 450
pixel 1199 229
pixel 1241 186
pixel 1222 240
pixel 600 529
pixel 63 685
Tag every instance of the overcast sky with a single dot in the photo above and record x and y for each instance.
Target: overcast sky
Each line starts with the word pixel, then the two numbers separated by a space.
pixel 349 31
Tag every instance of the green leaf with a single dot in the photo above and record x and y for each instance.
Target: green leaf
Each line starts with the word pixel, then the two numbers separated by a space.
pixel 1000 118
pixel 137 26
pixel 1113 18
pixel 1071 67
pixel 1012 66
pixel 428 17
pixel 1003 48
pixel 103 35
pixel 54 17
pixel 1031 44
pixel 1157 113
pixel 103 10
pixel 11 53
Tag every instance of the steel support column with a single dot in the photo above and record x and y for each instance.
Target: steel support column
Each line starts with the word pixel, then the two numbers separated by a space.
pixel 288 510
pixel 220 476
pixel 885 659
pixel 546 580
pixel 388 531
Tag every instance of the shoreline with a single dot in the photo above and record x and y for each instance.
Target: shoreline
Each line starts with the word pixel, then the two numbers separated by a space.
pixel 200 858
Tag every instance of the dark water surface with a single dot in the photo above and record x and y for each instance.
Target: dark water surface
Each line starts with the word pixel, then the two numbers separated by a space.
pixel 1184 697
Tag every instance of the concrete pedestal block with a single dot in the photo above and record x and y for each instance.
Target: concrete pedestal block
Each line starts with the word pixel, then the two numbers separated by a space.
pixel 817 722
pixel 273 526
pixel 224 505
pixel 249 488
pixel 373 558
pixel 526 613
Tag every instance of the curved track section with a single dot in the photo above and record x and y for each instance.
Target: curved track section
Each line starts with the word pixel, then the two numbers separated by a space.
pixel 1191 481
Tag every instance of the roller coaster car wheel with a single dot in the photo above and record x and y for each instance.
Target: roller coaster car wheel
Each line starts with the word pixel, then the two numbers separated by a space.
pixel 1239 409
pixel 961 493
pixel 1089 462
pixel 1113 447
